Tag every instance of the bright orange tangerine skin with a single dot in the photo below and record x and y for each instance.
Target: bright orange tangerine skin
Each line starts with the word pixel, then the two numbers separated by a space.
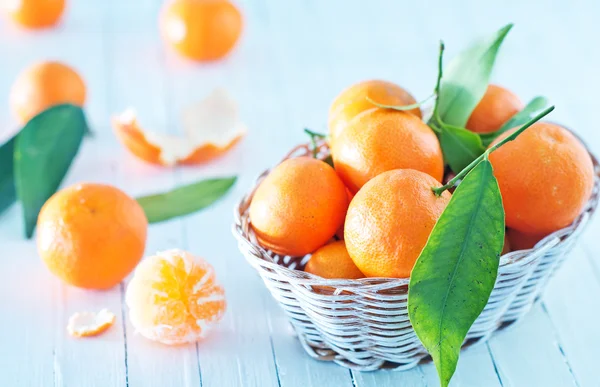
pixel 174 298
pixel 332 261
pixel 134 139
pixel 389 221
pixel 36 13
pixel 91 235
pixel 353 101
pixel 298 207
pixel 44 85
pixel 202 30
pixel 496 107
pixel 545 177
pixel 379 140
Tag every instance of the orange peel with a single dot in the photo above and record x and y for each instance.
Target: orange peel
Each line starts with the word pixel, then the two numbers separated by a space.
pixel 212 127
pixel 85 324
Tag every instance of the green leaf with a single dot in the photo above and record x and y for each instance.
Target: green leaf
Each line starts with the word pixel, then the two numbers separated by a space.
pixel 7 182
pixel 466 79
pixel 457 269
pixel 460 146
pixel 44 150
pixel 185 200
pixel 535 105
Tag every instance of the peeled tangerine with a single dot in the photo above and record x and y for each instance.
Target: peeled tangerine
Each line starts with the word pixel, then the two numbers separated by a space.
pixel 212 127
pixel 174 298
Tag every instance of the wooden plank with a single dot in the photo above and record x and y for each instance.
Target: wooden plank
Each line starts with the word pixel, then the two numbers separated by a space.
pixel 143 88
pixel 529 354
pixel 572 303
pixel 29 317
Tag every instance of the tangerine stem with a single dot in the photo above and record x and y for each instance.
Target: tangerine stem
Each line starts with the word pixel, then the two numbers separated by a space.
pixel 400 107
pixel 439 80
pixel 438 191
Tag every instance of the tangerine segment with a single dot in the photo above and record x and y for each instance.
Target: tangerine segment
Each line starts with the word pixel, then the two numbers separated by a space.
pixel 35 13
pixel 43 85
pixel 298 207
pixel 353 100
pixel 332 261
pixel 545 177
pixel 379 140
pixel 174 298
pixel 203 30
pixel 212 127
pixel 496 107
pixel 389 221
pixel 87 324
pixel 91 235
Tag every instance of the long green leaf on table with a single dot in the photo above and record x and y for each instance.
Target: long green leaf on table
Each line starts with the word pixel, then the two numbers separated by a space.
pixel 460 146
pixel 466 79
pixel 44 150
pixel 456 271
pixel 7 180
pixel 185 200
pixel 520 118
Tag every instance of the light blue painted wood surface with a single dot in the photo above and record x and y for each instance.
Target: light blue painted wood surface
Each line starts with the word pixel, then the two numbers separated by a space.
pixel 294 57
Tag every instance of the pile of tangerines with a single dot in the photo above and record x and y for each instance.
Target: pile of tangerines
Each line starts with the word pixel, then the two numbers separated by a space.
pixel 371 213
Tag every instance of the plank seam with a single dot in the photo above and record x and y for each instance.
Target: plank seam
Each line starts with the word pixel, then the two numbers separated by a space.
pixel 495 365
pixel 559 345
pixel 124 327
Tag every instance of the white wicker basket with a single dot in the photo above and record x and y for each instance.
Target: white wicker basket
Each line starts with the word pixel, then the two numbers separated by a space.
pixel 363 324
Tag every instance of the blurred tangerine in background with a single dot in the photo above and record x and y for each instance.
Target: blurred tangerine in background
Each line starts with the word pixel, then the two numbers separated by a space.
pixel 34 13
pixel 43 85
pixel 203 30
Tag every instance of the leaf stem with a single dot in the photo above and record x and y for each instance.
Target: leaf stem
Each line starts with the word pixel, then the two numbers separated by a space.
pixel 313 141
pixel 438 82
pixel 400 107
pixel 438 191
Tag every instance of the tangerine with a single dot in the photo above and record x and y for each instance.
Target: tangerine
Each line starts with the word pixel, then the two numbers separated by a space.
pixel 522 241
pixel 545 177
pixel 389 221
pixel 298 207
pixel 202 30
pixel 44 85
pixel 496 107
pixel 332 261
pixel 35 13
pixel 353 100
pixel 91 235
pixel 174 298
pixel 379 140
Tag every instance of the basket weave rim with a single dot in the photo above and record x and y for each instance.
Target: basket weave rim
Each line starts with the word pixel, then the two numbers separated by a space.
pixel 522 257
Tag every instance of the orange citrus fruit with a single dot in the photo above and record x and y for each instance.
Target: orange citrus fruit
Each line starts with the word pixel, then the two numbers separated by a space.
pixel 212 127
pixel 379 140
pixel 496 107
pixel 44 85
pixel 545 177
pixel 332 261
pixel 174 298
pixel 202 30
pixel 35 13
pixel 91 235
pixel 298 207
pixel 389 221
pixel 85 324
pixel 521 241
pixel 353 100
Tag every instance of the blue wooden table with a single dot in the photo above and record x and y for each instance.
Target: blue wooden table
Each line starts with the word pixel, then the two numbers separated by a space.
pixel 294 57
